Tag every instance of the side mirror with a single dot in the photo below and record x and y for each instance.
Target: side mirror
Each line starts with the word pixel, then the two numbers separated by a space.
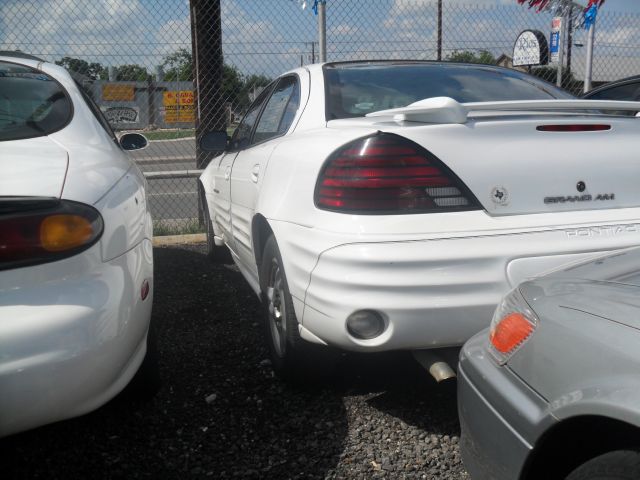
pixel 214 141
pixel 133 141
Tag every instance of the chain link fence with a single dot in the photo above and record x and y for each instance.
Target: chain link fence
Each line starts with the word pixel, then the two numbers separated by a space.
pixel 134 58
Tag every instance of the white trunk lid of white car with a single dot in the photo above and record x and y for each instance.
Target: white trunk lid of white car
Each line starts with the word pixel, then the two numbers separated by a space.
pixel 513 168
pixel 33 167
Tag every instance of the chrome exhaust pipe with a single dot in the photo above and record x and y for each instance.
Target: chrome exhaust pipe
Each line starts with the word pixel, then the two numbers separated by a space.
pixel 431 361
pixel 441 371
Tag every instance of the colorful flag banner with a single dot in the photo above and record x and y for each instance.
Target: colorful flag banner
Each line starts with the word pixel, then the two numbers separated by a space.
pixel 582 17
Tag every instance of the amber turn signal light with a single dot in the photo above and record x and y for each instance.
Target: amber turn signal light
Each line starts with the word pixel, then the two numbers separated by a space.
pixel 64 232
pixel 510 332
pixel 40 230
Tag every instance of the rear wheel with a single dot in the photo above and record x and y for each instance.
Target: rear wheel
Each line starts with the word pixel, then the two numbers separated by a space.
pixel 617 465
pixel 291 356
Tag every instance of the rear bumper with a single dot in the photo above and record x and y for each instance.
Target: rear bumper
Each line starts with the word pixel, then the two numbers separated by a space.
pixel 72 335
pixel 433 293
pixel 500 417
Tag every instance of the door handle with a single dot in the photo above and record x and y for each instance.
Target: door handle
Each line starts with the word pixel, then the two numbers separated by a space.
pixel 227 173
pixel 255 173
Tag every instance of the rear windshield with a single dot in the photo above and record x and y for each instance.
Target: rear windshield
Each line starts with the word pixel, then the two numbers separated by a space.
pixel 32 104
pixel 355 90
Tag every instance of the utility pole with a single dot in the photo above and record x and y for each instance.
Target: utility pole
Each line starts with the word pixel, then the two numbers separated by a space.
pixel 206 48
pixel 322 29
pixel 206 43
pixel 439 30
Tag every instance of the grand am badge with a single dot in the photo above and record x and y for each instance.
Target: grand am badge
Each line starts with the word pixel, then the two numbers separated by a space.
pixel 500 195
pixel 601 197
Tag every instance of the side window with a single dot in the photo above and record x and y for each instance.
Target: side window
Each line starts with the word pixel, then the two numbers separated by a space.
pixel 630 92
pixel 280 110
pixel 242 135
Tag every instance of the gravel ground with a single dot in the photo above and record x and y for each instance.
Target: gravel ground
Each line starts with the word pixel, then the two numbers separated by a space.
pixel 222 414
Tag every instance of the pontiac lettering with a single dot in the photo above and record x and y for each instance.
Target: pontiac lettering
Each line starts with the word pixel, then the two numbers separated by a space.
pixel 604 231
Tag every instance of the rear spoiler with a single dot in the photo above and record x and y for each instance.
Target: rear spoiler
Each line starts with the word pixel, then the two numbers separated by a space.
pixel 447 110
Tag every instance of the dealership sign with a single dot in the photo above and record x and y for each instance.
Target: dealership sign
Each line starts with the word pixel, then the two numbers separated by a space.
pixel 556 32
pixel 531 48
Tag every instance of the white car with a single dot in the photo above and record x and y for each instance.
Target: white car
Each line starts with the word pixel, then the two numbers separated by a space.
pixel 76 263
pixel 389 205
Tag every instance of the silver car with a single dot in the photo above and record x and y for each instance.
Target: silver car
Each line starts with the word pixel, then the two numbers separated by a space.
pixel 552 388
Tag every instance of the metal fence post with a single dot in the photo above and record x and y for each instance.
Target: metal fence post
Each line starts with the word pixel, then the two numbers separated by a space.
pixel 439 30
pixel 322 29
pixel 589 65
pixel 561 41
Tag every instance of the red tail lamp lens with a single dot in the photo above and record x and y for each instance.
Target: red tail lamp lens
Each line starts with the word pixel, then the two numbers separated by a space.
pixel 32 234
pixel 510 332
pixel 387 174
pixel 573 128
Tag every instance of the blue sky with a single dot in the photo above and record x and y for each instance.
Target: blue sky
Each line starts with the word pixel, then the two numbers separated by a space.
pixel 632 6
pixel 271 36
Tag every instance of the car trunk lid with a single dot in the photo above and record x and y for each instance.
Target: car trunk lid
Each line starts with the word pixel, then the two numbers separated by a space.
pixel 32 168
pixel 522 162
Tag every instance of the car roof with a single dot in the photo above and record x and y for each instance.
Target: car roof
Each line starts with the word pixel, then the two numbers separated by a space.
pixel 366 63
pixel 19 54
pixel 22 59
pixel 615 83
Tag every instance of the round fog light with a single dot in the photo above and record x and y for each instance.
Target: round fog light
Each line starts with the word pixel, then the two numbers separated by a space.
pixel 365 324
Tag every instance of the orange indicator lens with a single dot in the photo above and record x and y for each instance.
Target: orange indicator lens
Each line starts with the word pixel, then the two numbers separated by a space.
pixel 64 232
pixel 510 332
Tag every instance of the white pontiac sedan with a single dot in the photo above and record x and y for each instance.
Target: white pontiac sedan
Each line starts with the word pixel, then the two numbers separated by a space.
pixel 389 205
pixel 76 264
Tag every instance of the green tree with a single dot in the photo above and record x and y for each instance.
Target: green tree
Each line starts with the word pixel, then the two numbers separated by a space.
pixel 232 84
pixel 94 70
pixel 178 66
pixel 252 83
pixel 467 56
pixel 131 73
pixel 236 88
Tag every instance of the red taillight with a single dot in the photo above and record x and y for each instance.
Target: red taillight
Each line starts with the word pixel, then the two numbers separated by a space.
pixel 387 173
pixel 573 128
pixel 31 235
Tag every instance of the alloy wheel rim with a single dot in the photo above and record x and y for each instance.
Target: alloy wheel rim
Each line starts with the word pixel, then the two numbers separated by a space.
pixel 277 309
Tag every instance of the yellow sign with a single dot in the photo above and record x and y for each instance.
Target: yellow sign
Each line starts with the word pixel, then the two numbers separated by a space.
pixel 178 106
pixel 118 92
pixel 177 97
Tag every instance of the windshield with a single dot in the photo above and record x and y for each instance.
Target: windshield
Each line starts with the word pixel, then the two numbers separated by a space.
pixel 355 90
pixel 32 104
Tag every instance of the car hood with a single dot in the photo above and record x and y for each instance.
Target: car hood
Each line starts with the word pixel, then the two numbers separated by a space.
pixel 33 167
pixel 608 287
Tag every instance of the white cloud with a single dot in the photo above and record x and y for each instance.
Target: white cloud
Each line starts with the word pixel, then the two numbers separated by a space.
pixel 111 29
pixel 173 35
pixel 253 45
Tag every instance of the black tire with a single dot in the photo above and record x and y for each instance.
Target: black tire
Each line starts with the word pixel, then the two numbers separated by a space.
pixel 617 465
pixel 293 358
pixel 214 252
